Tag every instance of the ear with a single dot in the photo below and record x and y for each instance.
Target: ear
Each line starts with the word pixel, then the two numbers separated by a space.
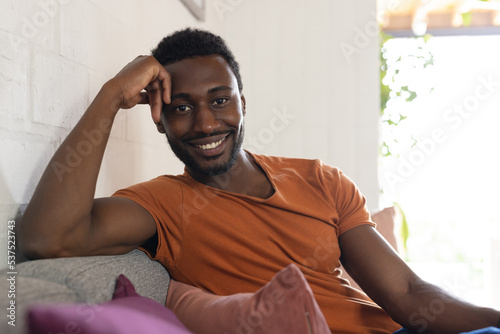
pixel 244 104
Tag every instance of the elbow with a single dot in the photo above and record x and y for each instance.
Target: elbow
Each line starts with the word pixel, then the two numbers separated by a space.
pixel 36 250
pixel 34 245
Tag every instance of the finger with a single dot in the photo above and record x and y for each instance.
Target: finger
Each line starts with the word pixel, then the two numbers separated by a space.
pixel 167 89
pixel 155 100
pixel 143 98
pixel 166 84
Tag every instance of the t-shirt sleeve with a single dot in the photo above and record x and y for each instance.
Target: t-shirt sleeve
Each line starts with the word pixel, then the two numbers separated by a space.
pixel 159 197
pixel 348 201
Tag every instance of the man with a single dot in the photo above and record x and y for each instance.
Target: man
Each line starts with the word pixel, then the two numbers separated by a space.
pixel 234 218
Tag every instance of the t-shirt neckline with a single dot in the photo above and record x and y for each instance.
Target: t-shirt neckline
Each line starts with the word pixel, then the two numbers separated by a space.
pixel 259 163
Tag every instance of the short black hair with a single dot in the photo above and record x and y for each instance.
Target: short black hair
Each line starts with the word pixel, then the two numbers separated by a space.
pixel 190 43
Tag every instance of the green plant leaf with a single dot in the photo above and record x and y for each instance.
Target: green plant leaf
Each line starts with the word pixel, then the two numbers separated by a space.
pixel 404 232
pixel 394 69
pixel 414 142
pixel 385 151
pixel 412 97
pixel 467 19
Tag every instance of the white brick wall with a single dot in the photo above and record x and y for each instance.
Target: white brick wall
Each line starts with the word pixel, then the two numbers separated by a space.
pixel 14 63
pixel 60 89
pixel 56 54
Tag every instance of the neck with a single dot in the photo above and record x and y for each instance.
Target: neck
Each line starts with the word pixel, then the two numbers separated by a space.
pixel 244 177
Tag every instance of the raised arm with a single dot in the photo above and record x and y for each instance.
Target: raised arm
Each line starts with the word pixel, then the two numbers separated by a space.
pixel 62 218
pixel 412 302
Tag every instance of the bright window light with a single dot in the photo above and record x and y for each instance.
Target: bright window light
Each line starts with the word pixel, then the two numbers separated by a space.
pixel 444 163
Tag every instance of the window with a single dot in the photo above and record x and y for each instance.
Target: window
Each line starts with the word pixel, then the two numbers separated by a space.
pixel 445 173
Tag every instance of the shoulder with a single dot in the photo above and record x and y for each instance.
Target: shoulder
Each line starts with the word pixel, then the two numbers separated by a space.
pixel 161 185
pixel 313 172
pixel 312 167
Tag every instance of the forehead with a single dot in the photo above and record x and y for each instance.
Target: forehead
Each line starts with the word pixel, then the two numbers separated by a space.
pixel 200 72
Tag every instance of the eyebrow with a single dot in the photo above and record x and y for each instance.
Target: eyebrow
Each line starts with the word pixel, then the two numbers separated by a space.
pixel 211 90
pixel 219 88
pixel 179 96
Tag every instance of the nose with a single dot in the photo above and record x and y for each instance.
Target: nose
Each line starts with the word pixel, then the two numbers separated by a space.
pixel 205 120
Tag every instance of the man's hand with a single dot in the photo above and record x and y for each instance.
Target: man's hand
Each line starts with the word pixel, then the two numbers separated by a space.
pixel 143 73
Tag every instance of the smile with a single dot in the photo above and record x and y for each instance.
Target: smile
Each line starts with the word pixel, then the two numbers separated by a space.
pixel 211 145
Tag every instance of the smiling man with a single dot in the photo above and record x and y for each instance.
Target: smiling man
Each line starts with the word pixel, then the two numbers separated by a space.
pixel 234 218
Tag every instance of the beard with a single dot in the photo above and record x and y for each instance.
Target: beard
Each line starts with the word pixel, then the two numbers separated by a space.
pixel 217 169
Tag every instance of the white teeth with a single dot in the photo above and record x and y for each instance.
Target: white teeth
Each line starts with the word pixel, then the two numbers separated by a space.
pixel 210 146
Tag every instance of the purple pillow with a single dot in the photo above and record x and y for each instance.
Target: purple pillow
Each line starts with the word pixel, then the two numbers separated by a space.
pixel 128 312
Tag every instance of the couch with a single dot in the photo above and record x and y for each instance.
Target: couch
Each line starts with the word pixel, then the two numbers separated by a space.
pixel 77 280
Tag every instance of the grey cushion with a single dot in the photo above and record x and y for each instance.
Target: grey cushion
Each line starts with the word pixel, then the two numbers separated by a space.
pixel 93 278
pixel 80 280
pixel 32 290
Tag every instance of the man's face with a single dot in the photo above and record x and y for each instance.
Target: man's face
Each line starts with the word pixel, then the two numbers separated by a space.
pixel 204 121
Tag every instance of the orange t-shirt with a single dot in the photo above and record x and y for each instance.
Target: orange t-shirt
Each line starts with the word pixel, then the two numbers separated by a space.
pixel 228 243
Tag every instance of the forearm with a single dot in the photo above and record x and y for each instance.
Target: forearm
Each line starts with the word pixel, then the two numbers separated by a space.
pixel 412 302
pixel 62 201
pixel 429 309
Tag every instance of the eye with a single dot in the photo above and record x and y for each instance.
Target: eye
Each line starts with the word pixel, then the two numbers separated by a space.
pixel 219 101
pixel 183 108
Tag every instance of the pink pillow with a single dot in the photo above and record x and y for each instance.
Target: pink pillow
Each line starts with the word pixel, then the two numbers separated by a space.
pixel 127 313
pixel 285 305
